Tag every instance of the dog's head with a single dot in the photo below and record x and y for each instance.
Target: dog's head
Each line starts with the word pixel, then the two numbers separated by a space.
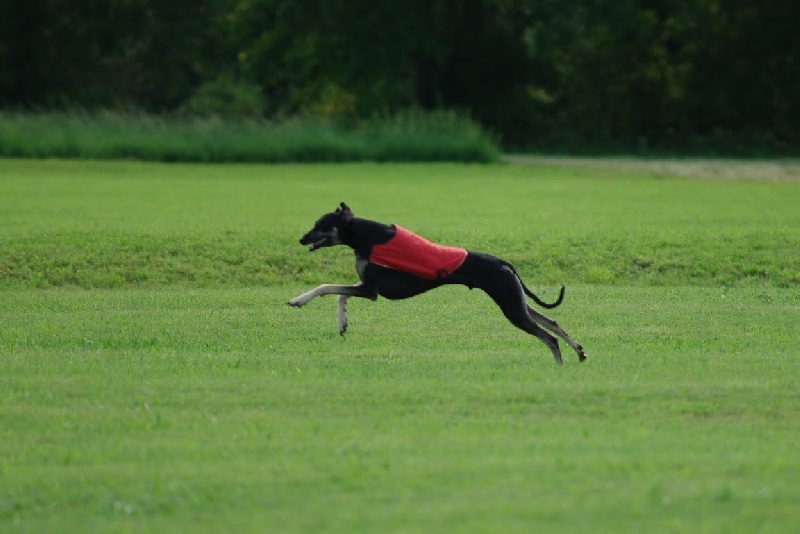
pixel 328 228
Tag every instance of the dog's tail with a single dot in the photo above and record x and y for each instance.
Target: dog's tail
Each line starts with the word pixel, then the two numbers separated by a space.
pixel 540 302
pixel 536 299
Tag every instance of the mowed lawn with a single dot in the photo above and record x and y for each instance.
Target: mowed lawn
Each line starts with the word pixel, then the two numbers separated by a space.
pixel 153 378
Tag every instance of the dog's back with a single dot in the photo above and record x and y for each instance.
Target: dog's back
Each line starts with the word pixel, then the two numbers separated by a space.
pixel 411 253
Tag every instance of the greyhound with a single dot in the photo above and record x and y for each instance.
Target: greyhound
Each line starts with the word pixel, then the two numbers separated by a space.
pixel 399 272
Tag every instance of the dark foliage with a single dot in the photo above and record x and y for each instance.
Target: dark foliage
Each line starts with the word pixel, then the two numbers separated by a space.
pixel 579 75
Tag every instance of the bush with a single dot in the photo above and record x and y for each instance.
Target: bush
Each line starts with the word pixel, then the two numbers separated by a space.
pixel 413 135
pixel 226 98
pixel 439 135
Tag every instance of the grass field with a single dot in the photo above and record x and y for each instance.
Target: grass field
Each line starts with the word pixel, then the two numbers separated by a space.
pixel 154 379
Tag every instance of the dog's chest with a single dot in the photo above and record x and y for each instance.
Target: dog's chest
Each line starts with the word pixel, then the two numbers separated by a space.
pixel 361 266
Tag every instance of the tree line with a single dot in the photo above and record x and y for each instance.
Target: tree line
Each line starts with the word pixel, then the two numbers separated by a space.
pixel 629 75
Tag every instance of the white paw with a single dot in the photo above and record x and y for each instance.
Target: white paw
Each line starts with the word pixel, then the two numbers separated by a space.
pixel 299 301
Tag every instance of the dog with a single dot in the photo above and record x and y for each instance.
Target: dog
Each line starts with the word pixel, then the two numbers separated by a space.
pixel 397 264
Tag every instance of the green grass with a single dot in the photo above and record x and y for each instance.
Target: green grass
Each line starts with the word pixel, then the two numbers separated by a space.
pixel 155 380
pixel 225 409
pixel 412 135
pixel 112 225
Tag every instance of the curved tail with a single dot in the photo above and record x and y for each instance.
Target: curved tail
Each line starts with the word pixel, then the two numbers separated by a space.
pixel 536 299
pixel 540 302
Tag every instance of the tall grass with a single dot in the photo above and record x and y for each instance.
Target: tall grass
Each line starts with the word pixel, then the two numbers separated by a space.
pixel 409 136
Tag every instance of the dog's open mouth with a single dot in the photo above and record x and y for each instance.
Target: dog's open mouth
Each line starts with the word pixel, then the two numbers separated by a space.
pixel 319 238
pixel 319 244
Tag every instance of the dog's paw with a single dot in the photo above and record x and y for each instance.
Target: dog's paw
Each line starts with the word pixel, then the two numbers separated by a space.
pixel 297 301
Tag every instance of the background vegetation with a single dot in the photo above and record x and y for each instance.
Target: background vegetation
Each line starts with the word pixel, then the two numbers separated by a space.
pixel 580 75
pixel 409 135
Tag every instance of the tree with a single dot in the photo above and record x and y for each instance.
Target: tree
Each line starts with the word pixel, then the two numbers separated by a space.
pixel 547 74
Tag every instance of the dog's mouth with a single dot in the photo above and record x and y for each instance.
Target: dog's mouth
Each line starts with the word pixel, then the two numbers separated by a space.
pixel 316 239
pixel 318 244
pixel 313 242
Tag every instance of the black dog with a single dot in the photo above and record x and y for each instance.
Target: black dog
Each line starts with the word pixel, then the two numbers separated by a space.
pixel 394 272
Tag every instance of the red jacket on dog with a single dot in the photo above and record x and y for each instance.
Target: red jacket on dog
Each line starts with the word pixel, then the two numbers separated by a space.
pixel 414 254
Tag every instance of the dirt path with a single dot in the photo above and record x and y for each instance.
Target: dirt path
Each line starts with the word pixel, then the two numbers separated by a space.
pixel 715 169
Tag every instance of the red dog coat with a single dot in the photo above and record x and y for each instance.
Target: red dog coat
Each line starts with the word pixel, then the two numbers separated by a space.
pixel 413 254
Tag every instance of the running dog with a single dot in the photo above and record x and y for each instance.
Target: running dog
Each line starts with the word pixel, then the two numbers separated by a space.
pixel 397 264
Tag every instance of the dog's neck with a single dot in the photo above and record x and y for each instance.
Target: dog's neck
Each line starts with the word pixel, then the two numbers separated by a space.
pixel 362 234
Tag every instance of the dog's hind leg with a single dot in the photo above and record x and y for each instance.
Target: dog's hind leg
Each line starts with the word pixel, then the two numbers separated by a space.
pixel 551 342
pixel 506 291
pixel 554 327
pixel 522 320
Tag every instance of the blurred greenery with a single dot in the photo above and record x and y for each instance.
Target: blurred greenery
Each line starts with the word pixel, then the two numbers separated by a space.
pixel 211 129
pixel 700 76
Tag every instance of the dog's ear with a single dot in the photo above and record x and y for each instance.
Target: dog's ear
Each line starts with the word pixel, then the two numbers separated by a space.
pixel 346 212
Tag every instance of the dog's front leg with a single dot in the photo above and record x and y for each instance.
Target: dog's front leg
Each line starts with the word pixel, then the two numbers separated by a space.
pixel 357 290
pixel 341 313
